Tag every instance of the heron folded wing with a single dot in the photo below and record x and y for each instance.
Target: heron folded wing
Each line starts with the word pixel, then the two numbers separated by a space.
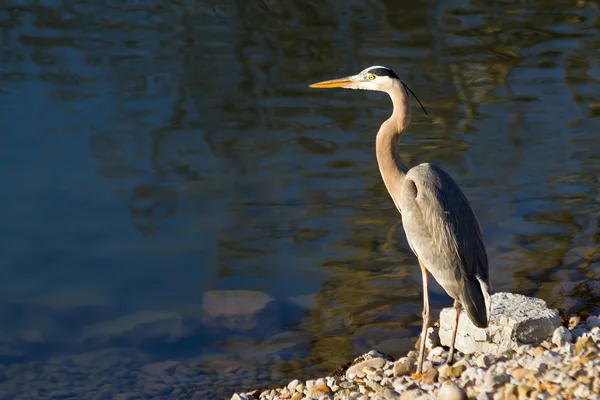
pixel 439 223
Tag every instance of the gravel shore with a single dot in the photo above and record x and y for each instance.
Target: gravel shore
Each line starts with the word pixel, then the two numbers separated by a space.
pixel 566 366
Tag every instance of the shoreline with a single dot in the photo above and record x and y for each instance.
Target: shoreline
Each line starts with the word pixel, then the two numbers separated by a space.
pixel 564 366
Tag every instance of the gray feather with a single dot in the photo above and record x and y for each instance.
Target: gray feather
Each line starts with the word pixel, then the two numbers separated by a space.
pixel 444 233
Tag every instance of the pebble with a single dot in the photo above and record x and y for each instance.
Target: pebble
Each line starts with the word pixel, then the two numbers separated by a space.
pixel 451 391
pixel 455 371
pixel 403 366
pixel 484 361
pixel 293 385
pixel 554 369
pixel 430 377
pixel 561 336
pixel 358 368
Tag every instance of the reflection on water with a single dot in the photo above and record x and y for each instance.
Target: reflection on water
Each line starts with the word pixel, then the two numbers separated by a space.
pixel 154 152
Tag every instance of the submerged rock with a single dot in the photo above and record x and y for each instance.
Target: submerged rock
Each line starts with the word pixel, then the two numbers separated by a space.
pixel 242 310
pixel 139 328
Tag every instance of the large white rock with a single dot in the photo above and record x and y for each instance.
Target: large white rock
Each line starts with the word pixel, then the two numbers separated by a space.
pixel 515 319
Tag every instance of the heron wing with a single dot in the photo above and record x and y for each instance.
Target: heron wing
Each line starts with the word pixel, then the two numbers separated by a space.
pixel 443 231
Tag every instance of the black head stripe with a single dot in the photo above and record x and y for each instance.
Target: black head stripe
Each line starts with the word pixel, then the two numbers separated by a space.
pixel 383 72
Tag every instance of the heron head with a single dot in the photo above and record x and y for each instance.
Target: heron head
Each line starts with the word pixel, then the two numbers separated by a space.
pixel 373 78
pixel 381 79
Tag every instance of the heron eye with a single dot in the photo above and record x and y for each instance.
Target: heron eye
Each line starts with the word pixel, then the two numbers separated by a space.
pixel 370 77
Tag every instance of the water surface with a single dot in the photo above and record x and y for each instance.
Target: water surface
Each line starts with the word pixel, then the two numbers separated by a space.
pixel 154 152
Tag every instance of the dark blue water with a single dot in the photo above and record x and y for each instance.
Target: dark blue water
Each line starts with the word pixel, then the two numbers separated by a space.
pixel 154 152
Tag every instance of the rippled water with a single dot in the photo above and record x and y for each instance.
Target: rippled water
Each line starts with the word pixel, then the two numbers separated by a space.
pixel 154 152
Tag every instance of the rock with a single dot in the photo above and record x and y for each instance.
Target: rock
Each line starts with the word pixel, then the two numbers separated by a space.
pixel 436 352
pixel 561 336
pixel 510 392
pixel 484 361
pixel 523 391
pixel 592 322
pixel 521 373
pixel 242 310
pixel 430 377
pixel 585 344
pixel 485 396
pixel 432 339
pixel 427 365
pixel 515 319
pixel 377 362
pixel 451 391
pixel 403 366
pixel 578 332
pixel 455 371
pixel 293 385
pixel 318 391
pixel 390 394
pixel 137 328
pixel 240 396
pixel 411 394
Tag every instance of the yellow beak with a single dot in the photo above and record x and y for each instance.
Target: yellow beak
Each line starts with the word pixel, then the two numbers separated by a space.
pixel 334 83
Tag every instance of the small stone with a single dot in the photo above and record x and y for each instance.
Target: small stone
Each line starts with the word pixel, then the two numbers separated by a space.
pixel 455 372
pixel 578 332
pixel 510 392
pixel 538 351
pixel 584 344
pixel 390 394
pixel 500 379
pixel 403 366
pixel 553 389
pixel 485 396
pixel 521 373
pixel 584 379
pixel 318 391
pixel 427 365
pixel 523 391
pixel 297 396
pixel 574 321
pixel 582 392
pixel 436 352
pixel 525 349
pixel 377 363
pixel 483 361
pixel 592 322
pixel 534 394
pixel 240 396
pixel 411 394
pixel 451 391
pixel 293 385
pixel 561 336
pixel 432 339
pixel 430 377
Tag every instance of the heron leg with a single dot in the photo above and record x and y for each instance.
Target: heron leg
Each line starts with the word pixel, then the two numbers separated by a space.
pixel 425 317
pixel 457 308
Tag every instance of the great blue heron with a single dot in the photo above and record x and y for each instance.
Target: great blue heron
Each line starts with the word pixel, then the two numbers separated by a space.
pixel 441 228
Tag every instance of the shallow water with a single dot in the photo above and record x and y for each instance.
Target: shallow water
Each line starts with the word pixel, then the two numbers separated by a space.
pixel 154 152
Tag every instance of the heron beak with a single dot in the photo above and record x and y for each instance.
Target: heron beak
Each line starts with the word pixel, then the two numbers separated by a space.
pixel 349 82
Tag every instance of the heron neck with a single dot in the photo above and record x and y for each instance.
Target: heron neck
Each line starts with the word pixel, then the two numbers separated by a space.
pixel 391 167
